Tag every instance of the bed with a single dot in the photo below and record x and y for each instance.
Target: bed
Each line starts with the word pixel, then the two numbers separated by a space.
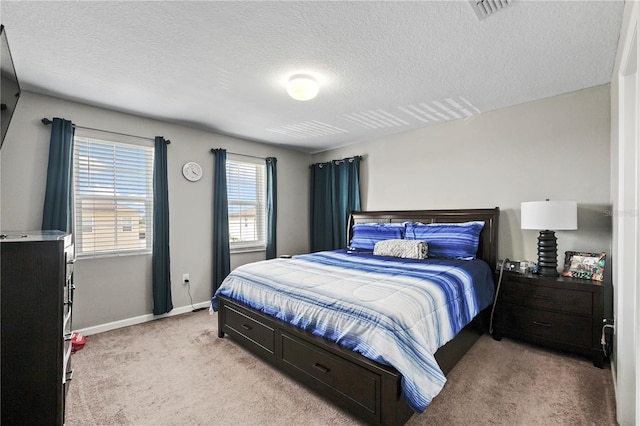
pixel 254 308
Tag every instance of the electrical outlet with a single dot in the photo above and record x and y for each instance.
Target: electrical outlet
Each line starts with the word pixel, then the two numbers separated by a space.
pixel 185 278
pixel 512 266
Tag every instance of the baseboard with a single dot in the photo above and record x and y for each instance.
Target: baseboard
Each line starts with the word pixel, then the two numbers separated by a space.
pixel 614 374
pixel 140 319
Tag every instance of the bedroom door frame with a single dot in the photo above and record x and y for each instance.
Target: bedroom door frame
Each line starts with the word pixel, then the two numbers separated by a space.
pixel 626 220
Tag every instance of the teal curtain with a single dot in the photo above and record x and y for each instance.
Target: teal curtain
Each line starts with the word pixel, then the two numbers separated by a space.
pixel 160 255
pixel 346 197
pixel 272 206
pixel 321 208
pixel 57 213
pixel 221 252
pixel 335 193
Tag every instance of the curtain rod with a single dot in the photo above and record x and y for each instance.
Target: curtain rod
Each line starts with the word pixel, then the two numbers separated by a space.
pixel 47 121
pixel 349 159
pixel 242 155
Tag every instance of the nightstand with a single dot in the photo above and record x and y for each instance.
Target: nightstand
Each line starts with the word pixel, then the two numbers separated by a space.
pixel 560 312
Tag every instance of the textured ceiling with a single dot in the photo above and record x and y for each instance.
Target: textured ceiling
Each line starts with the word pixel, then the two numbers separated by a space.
pixel 383 67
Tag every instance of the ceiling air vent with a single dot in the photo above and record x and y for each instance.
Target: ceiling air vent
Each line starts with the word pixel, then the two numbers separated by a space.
pixel 484 8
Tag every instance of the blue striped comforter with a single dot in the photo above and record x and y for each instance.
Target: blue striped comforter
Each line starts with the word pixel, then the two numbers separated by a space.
pixel 394 311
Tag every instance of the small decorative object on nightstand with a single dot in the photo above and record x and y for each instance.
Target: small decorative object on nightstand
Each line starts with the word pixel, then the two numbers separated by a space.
pixel 590 266
pixel 560 312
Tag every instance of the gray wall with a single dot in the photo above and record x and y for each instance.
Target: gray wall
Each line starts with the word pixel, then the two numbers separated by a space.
pixel 118 288
pixel 556 148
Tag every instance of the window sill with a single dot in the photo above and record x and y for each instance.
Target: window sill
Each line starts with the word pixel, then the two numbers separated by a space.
pixel 247 250
pixel 108 255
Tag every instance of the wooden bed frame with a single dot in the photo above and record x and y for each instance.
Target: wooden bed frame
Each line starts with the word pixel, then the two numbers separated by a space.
pixel 367 389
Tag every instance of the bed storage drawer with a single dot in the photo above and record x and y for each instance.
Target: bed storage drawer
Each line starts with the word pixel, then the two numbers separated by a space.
pixel 332 371
pixel 250 329
pixel 367 389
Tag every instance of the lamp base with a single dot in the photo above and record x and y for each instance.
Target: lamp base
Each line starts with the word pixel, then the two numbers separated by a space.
pixel 547 254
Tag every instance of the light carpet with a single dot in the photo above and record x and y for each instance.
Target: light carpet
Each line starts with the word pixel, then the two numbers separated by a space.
pixel 176 371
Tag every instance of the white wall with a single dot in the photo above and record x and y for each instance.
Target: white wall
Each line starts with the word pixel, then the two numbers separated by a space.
pixel 117 288
pixel 556 148
pixel 625 195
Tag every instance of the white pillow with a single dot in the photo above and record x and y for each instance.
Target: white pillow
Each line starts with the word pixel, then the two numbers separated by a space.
pixel 408 249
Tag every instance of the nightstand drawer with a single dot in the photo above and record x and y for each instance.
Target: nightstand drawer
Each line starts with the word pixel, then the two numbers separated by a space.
pixel 558 299
pixel 552 326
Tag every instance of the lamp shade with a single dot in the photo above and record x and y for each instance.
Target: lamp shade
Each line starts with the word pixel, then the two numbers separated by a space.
pixel 551 215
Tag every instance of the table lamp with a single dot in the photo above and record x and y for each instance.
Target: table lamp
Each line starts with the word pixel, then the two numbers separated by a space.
pixel 547 217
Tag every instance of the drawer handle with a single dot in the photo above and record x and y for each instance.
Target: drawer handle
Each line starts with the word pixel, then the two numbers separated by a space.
pixel 69 376
pixel 535 296
pixel 321 368
pixel 542 324
pixel 246 327
pixel 67 337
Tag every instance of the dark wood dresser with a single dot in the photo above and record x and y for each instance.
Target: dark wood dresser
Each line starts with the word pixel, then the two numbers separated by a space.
pixel 36 284
pixel 559 312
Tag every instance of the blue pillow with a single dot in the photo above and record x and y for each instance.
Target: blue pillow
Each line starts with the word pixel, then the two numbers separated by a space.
pixel 448 240
pixel 366 235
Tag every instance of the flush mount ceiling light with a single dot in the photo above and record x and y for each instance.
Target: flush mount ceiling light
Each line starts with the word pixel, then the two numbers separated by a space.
pixel 302 87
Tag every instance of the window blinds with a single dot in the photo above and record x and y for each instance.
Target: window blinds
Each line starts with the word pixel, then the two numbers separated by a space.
pixel 113 197
pixel 246 193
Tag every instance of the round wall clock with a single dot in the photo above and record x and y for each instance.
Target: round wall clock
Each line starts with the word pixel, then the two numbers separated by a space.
pixel 192 171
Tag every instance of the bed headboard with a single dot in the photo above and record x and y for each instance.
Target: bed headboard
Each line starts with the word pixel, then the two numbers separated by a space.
pixel 487 248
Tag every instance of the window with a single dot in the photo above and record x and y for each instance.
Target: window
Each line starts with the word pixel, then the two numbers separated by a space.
pixel 246 192
pixel 87 224
pixel 113 196
pixel 126 224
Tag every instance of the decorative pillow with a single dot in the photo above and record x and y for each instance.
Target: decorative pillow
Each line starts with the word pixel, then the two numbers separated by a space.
pixel 448 240
pixel 408 249
pixel 366 235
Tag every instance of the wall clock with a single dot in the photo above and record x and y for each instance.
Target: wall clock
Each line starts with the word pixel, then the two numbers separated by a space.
pixel 192 171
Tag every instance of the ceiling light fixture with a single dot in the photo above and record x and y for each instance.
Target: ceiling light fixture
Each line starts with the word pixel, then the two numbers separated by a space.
pixel 302 87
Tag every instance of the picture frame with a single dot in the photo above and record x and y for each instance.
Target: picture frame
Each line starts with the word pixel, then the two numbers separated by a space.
pixel 589 266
